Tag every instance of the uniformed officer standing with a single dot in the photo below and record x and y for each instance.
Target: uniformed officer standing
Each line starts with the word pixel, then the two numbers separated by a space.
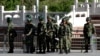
pixel 49 33
pixel 64 32
pixel 55 38
pixel 11 34
pixel 41 33
pixel 88 30
pixel 70 36
pixel 29 32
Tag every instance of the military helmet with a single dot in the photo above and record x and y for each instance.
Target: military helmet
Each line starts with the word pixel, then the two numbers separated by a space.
pixel 64 19
pixel 55 21
pixel 67 18
pixel 40 18
pixel 88 19
pixel 9 19
pixel 28 18
pixel 49 17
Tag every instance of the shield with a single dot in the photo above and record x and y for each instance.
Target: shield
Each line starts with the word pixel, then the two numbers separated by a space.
pixel 93 43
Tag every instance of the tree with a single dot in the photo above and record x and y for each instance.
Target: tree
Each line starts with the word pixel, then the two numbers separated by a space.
pixel 61 6
pixel 10 4
pixel 53 5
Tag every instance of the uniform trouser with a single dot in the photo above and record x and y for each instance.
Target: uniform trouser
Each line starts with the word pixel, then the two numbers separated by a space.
pixel 49 43
pixel 64 43
pixel 87 43
pixel 11 44
pixel 70 41
pixel 29 44
pixel 42 43
pixel 54 43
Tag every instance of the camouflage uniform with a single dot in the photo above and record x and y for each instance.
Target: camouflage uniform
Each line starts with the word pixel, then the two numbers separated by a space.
pixel 29 33
pixel 64 33
pixel 49 33
pixel 70 36
pixel 11 34
pixel 55 36
pixel 41 33
pixel 88 30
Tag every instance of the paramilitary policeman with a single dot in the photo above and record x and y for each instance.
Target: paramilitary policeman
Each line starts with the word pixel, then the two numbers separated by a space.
pixel 64 32
pixel 29 32
pixel 41 35
pixel 49 34
pixel 70 35
pixel 11 32
pixel 55 38
pixel 88 30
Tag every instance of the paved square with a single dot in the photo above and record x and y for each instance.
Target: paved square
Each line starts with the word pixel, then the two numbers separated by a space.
pixel 19 52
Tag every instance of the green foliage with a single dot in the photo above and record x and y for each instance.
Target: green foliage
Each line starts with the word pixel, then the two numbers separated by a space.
pixel 84 0
pixel 53 5
pixel 60 5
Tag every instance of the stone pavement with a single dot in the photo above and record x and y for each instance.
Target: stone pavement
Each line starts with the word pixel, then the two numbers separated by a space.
pixel 19 52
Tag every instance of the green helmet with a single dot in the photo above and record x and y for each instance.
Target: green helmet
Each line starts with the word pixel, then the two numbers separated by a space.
pixel 40 18
pixel 28 18
pixel 88 19
pixel 55 21
pixel 9 19
pixel 66 17
pixel 49 17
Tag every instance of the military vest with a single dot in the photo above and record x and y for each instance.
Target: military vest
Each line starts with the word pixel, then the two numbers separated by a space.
pixel 64 30
pixel 89 29
pixel 41 28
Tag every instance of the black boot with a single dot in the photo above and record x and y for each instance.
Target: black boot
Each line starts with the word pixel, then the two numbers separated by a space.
pixel 52 50
pixel 68 50
pixel 48 50
pixel 86 51
pixel 61 52
pixel 40 51
pixel 10 51
pixel 43 52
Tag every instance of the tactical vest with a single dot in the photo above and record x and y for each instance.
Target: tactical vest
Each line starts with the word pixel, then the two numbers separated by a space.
pixel 64 30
